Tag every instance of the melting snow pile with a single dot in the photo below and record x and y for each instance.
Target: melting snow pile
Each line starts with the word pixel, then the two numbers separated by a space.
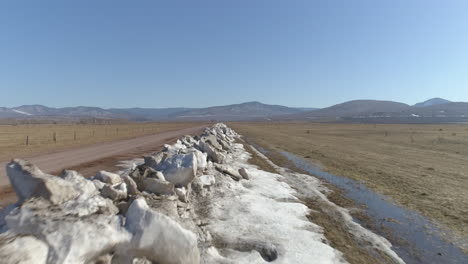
pixel 197 201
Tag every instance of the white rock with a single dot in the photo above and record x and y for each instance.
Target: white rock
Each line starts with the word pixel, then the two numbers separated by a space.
pixel 152 173
pixel 188 141
pixel 182 194
pixel 70 239
pixel 212 153
pixel 81 184
pixel 105 259
pixel 158 186
pixel 158 238
pixel 153 160
pixel 119 259
pixel 122 187
pixel 29 181
pixel 202 162
pixel 179 169
pixel 202 185
pixel 160 176
pixel 89 201
pixel 141 261
pixel 205 180
pixel 22 249
pixel 225 144
pixel 243 172
pixel 213 141
pixel 131 185
pixel 108 177
pixel 98 184
pixel 229 171
pixel 85 206
pixel 115 193
pixel 174 149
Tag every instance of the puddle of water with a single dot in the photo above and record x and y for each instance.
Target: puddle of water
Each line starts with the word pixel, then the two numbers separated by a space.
pixel 418 239
pixel 259 148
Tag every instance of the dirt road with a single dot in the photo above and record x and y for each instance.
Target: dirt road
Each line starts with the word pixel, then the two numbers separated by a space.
pixel 95 156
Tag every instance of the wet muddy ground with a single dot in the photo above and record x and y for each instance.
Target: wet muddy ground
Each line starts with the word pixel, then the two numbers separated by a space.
pixel 414 237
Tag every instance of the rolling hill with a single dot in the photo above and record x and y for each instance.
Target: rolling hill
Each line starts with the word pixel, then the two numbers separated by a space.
pixel 433 101
pixel 244 111
pixel 356 108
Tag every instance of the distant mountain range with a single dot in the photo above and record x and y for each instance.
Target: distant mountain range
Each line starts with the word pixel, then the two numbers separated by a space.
pixel 436 110
pixel 244 111
pixel 431 111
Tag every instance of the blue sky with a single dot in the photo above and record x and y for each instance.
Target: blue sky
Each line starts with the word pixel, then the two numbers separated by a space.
pixel 203 53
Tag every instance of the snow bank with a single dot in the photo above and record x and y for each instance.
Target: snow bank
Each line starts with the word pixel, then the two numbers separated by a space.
pixel 248 216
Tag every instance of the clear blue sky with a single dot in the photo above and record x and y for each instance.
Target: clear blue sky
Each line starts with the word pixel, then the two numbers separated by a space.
pixel 203 53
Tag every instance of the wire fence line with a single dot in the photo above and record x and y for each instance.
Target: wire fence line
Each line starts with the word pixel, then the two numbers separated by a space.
pixel 30 135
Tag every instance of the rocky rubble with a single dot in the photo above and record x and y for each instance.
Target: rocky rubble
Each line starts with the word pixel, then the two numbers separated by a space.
pixel 145 215
pixel 29 181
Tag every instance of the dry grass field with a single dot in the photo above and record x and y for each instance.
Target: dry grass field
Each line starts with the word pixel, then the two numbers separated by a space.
pixel 28 140
pixel 421 167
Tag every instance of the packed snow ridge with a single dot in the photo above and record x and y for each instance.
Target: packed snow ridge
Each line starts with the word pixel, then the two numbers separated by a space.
pixel 197 201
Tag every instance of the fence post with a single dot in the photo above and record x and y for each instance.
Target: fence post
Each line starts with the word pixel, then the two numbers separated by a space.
pixel 55 137
pixel 27 140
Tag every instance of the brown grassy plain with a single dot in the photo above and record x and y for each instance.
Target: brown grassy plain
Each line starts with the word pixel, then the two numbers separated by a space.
pixel 421 167
pixel 40 137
